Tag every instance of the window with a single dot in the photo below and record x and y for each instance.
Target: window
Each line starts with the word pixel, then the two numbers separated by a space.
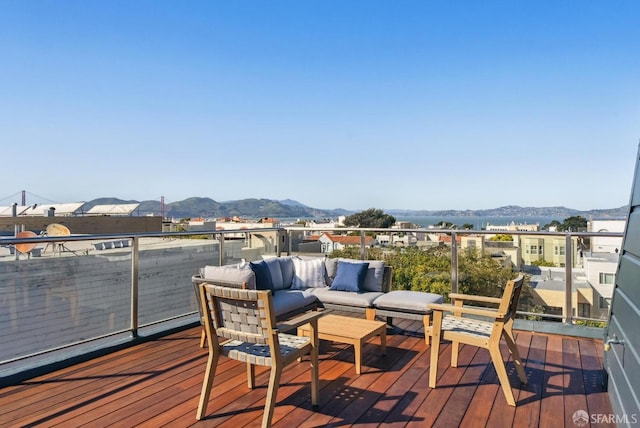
pixel 558 250
pixel 553 310
pixel 471 243
pixel 584 310
pixel 533 249
pixel 607 278
pixel 603 302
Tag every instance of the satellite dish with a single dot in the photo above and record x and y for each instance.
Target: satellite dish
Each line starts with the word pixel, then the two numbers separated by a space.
pixel 25 248
pixel 55 229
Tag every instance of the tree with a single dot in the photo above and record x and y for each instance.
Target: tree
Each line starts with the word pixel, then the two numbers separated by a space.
pixel 467 226
pixel 429 270
pixel 554 223
pixel 481 274
pixel 421 270
pixel 353 252
pixel 502 237
pixel 543 263
pixel 373 217
pixel 575 223
pixel 445 225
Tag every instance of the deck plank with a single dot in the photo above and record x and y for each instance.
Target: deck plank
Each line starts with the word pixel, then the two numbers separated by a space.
pixel 552 402
pixel 158 383
pixel 574 390
pixel 528 410
pixel 591 359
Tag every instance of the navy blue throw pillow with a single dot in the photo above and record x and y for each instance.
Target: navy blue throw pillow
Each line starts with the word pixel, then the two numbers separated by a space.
pixel 349 276
pixel 263 276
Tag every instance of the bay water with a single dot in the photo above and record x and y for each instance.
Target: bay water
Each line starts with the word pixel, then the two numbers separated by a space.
pixel 478 223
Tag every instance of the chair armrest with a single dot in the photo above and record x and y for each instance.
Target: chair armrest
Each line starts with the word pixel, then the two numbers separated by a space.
pixel 471 310
pixel 472 298
pixel 303 319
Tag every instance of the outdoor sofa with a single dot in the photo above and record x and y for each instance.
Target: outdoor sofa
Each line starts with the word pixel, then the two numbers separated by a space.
pixel 299 284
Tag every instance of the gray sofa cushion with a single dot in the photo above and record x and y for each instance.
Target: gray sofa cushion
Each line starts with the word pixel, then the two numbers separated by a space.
pixel 407 301
pixel 330 270
pixel 286 271
pixel 230 276
pixel 285 301
pixel 277 280
pixel 348 298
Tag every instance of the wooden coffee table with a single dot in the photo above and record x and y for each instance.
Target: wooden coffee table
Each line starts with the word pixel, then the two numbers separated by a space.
pixel 352 331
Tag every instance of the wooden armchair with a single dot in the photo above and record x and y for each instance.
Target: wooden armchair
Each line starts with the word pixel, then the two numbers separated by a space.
pixel 484 333
pixel 245 319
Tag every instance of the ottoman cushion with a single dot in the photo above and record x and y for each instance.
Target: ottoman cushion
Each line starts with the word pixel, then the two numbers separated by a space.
pixel 346 298
pixel 407 301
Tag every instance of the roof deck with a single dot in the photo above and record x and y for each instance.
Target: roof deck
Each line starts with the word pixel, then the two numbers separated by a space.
pixel 157 383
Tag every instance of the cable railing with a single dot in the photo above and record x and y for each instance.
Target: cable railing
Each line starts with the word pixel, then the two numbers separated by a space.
pixel 85 293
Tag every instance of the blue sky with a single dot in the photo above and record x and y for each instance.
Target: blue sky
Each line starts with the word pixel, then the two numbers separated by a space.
pixel 336 104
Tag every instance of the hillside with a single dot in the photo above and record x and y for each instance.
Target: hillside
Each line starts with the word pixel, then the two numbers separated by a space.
pixel 208 208
pixel 259 208
pixel 517 211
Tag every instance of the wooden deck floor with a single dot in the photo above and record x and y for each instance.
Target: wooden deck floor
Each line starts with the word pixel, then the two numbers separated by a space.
pixel 158 383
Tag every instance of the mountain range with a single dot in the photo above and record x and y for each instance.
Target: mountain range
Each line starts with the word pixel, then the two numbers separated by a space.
pixel 259 208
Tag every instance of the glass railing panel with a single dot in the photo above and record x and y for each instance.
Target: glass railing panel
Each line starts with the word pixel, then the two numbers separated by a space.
pixel 62 297
pixel 104 287
pixel 166 266
pixel 258 243
pixel 421 259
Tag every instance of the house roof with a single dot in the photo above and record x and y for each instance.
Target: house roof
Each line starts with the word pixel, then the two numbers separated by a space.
pixel 268 220
pixel 113 209
pixel 447 238
pixel 41 210
pixel 348 240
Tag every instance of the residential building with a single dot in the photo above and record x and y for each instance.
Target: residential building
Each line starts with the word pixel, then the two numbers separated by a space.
pixel 548 287
pixel 551 249
pixel 330 242
pixel 602 244
pixel 600 271
pixel 513 227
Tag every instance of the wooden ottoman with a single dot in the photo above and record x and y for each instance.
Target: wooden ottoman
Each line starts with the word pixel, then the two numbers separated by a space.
pixel 349 330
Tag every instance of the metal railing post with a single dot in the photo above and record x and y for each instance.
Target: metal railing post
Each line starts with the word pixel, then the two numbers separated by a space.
pixel 363 249
pixel 134 286
pixel 222 255
pixel 454 263
pixel 568 304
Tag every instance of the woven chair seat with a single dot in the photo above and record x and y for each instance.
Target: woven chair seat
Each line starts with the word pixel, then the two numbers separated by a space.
pixel 469 326
pixel 260 354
